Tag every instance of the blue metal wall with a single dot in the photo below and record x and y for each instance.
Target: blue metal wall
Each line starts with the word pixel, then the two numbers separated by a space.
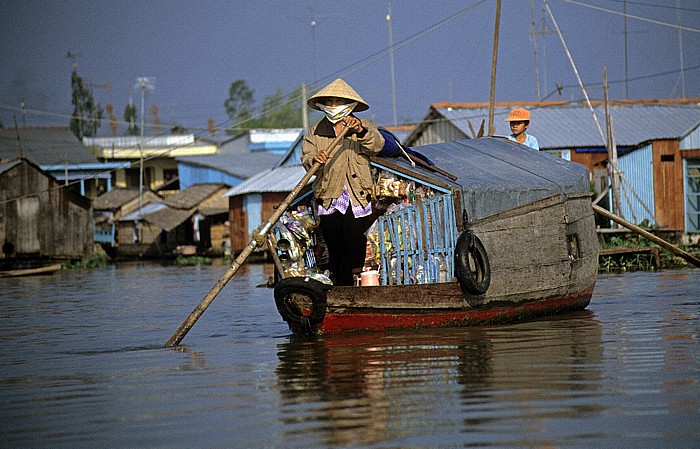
pixel 193 174
pixel 252 204
pixel 637 168
pixel 691 190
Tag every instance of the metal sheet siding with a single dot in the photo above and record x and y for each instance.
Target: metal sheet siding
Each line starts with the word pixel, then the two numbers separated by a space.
pixel 637 168
pixel 691 192
pixel 252 205
pixel 692 140
pixel 191 174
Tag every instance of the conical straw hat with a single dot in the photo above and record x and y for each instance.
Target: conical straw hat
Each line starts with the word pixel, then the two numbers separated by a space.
pixel 339 89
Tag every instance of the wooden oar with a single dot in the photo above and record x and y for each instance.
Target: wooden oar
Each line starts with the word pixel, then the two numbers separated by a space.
pixel 649 236
pixel 258 239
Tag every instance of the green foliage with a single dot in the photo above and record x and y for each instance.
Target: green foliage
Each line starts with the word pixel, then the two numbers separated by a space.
pixel 87 115
pixel 193 260
pixel 130 118
pixel 239 104
pixel 635 262
pixel 276 111
pixel 634 240
pixel 96 260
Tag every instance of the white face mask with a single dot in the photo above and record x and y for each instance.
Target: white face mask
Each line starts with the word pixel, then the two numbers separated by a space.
pixel 334 114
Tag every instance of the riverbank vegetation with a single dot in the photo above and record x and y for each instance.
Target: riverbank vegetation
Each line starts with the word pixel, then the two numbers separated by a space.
pixel 633 252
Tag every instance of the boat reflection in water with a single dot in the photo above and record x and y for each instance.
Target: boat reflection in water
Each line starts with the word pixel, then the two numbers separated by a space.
pixel 454 385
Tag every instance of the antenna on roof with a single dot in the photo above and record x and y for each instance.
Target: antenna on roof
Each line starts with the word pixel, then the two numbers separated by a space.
pixel 74 56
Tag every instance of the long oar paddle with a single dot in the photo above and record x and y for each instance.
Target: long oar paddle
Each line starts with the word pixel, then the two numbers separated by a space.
pixel 649 236
pixel 258 239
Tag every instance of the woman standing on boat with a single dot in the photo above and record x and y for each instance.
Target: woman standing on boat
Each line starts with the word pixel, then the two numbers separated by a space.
pixel 343 185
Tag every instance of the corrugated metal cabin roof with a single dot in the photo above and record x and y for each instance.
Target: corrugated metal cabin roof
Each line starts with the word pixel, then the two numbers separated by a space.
pixel 280 179
pixel 496 174
pixel 571 125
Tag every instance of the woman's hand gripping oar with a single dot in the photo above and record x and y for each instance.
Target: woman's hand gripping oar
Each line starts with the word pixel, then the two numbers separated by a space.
pixel 257 240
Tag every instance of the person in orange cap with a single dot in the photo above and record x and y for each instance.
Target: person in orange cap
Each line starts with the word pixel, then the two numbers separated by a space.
pixel 519 119
pixel 343 185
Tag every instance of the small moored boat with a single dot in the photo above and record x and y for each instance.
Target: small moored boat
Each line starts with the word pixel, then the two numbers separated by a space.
pixel 34 271
pixel 490 231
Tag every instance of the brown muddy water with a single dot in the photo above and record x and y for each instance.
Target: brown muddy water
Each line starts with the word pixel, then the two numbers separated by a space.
pixel 82 365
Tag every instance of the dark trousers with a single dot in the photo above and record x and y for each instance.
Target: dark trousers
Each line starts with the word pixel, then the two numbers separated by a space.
pixel 345 237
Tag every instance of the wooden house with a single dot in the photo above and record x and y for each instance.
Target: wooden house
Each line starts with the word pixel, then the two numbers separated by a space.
pixel 109 207
pixel 254 200
pixel 39 217
pixel 194 217
pixel 58 152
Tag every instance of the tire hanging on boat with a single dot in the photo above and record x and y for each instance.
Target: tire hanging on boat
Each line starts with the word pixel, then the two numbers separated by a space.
pixel 301 300
pixel 474 277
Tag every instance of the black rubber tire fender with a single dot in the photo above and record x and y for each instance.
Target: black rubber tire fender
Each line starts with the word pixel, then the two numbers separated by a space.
pixel 474 278
pixel 291 292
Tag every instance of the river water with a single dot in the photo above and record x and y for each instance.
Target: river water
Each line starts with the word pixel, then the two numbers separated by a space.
pixel 82 365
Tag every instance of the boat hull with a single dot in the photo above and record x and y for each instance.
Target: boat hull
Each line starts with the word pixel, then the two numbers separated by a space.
pixel 354 319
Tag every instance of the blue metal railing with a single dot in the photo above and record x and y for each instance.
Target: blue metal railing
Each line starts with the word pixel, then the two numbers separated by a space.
pixel 417 243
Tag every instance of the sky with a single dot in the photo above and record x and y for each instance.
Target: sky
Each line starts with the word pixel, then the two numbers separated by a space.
pixel 442 51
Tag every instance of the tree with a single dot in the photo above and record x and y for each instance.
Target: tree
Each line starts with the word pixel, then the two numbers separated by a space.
pixel 113 121
pixel 239 103
pixel 280 113
pixel 276 110
pixel 87 114
pixel 130 118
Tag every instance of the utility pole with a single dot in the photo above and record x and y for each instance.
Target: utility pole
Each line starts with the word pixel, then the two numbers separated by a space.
pixel 304 107
pixel 313 21
pixel 534 44
pixel 391 58
pixel 494 60
pixel 613 171
pixel 624 15
pixel 680 48
pixel 145 83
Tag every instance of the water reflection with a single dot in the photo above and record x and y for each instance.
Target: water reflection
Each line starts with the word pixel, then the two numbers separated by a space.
pixel 364 389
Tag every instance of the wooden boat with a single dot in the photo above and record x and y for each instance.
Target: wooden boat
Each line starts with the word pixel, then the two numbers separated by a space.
pixel 48 269
pixel 507 234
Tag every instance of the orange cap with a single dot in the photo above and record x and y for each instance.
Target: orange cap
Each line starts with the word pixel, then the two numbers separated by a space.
pixel 518 115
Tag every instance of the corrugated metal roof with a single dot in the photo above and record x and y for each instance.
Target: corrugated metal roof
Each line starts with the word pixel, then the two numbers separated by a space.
pixel 281 179
pixel 45 146
pixel 193 195
pixel 160 215
pixel 146 209
pixel 114 198
pixel 286 135
pixel 241 165
pixel 571 125
pixel 170 140
pixel 8 165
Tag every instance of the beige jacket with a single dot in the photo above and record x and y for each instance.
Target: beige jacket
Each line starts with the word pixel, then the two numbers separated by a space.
pixel 348 165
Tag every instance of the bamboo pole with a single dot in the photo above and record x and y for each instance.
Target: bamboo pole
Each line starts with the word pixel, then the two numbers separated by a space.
pixel 258 239
pixel 649 236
